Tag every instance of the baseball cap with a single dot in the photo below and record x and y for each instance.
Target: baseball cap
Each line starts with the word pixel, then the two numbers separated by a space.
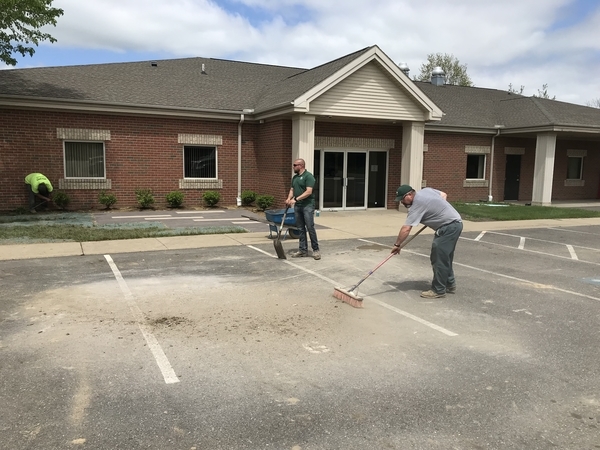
pixel 402 191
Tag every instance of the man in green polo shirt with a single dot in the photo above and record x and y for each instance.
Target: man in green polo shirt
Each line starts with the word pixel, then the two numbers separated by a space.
pixel 301 197
pixel 38 186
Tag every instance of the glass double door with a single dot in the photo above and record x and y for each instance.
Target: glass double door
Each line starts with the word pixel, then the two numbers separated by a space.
pixel 343 178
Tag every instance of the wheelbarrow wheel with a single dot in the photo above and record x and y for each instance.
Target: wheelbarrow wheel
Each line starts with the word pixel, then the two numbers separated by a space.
pixel 294 234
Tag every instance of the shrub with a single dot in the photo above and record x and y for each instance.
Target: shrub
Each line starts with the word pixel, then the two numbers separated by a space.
pixel 265 201
pixel 248 197
pixel 144 197
pixel 211 198
pixel 61 199
pixel 107 199
pixel 175 199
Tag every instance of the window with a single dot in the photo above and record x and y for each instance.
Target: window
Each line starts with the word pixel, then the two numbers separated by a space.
pixel 199 162
pixel 476 167
pixel 574 167
pixel 84 160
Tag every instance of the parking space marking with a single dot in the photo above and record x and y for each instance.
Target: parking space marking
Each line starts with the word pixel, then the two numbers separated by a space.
pixel 543 240
pixel 572 252
pixel 538 252
pixel 196 212
pixel 522 280
pixel 522 243
pixel 159 355
pixel 478 238
pixel 139 217
pixel 378 302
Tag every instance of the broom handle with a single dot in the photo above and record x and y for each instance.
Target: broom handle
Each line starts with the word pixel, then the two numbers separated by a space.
pixel 390 255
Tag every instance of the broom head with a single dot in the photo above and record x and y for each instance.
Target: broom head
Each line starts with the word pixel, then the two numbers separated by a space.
pixel 348 297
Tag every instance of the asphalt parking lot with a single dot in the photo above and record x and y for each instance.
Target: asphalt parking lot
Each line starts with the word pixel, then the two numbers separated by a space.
pixel 230 348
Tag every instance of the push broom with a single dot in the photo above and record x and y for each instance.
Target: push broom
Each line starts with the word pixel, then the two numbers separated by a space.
pixel 350 295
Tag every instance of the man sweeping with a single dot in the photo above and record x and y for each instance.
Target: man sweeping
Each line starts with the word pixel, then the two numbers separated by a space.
pixel 429 207
pixel 38 186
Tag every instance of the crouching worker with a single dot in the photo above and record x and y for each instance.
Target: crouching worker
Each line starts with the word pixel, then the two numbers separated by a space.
pixel 38 186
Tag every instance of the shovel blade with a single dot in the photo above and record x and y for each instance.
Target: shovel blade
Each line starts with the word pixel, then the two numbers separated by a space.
pixel 279 249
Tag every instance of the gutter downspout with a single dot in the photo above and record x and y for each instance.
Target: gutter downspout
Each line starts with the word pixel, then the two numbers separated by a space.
pixel 239 183
pixel 490 197
pixel 239 190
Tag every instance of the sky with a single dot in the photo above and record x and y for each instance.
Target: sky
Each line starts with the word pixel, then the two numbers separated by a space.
pixel 529 43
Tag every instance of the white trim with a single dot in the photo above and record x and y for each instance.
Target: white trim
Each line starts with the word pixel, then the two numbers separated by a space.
pixel 572 153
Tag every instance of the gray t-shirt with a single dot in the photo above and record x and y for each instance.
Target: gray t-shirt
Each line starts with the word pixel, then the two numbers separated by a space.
pixel 429 208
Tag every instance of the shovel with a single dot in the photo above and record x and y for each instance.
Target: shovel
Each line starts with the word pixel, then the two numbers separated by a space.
pixel 277 242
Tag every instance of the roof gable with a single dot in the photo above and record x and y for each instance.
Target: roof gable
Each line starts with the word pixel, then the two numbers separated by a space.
pixel 387 66
pixel 370 93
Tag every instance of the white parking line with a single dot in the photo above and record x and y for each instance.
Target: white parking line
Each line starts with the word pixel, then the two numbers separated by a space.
pixel 572 252
pixel 371 299
pixel 522 243
pixel 196 212
pixel 478 238
pixel 139 217
pixel 219 220
pixel 159 355
pixel 537 252
pixel 522 280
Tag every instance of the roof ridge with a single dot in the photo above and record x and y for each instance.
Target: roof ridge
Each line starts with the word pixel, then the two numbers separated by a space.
pixel 544 111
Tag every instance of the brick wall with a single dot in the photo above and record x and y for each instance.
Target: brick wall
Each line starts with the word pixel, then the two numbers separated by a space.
pixel 142 153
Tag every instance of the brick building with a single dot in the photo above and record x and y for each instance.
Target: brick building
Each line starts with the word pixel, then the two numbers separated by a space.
pixel 361 124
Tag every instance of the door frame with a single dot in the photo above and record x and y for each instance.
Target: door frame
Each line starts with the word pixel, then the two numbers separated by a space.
pixel 346 151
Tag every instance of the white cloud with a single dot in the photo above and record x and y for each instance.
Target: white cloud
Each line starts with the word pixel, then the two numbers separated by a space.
pixel 500 42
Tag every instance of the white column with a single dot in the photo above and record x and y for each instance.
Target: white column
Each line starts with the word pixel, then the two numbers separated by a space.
pixel 544 169
pixel 412 154
pixel 303 140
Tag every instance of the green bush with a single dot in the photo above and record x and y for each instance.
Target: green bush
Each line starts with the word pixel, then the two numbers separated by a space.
pixel 61 199
pixel 175 199
pixel 107 199
pixel 211 198
pixel 248 197
pixel 144 197
pixel 265 201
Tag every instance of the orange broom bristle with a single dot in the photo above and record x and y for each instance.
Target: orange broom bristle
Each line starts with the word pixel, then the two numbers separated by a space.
pixel 348 297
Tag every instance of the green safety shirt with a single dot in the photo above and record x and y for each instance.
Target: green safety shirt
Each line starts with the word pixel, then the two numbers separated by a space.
pixel 34 179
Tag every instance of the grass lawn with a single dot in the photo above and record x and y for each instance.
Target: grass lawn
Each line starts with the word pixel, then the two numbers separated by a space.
pixel 478 212
pixel 80 227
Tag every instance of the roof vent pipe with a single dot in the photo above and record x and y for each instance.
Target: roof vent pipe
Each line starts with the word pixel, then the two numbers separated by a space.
pixel 203 70
pixel 404 68
pixel 438 77
pixel 153 63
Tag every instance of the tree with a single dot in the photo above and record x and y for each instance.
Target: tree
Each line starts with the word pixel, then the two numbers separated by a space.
pixel 456 73
pixel 595 103
pixel 515 91
pixel 544 93
pixel 20 23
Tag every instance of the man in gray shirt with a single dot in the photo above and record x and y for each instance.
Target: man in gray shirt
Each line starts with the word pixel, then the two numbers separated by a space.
pixel 429 207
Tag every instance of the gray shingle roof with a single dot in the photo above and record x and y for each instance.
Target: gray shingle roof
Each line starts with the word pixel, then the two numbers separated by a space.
pixel 484 108
pixel 227 85
pixel 234 86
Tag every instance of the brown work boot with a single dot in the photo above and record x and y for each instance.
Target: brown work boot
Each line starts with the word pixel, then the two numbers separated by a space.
pixel 316 254
pixel 451 289
pixel 299 254
pixel 431 294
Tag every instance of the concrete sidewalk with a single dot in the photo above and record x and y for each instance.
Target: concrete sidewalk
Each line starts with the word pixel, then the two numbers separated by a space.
pixel 340 225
